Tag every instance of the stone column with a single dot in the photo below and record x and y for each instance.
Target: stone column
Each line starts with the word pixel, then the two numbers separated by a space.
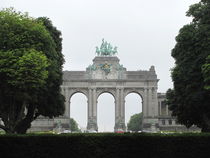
pixel 167 110
pixel 150 102
pixel 145 103
pixel 92 110
pixel 122 110
pixel 160 108
pixel 65 92
pixel 94 103
pixel 89 106
pixel 150 121
pixel 155 103
pixel 145 108
pixel 119 109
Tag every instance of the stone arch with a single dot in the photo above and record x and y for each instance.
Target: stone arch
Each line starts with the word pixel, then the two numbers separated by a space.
pixel 110 91
pixel 73 109
pixel 74 91
pixel 139 92
pixel 135 107
pixel 68 93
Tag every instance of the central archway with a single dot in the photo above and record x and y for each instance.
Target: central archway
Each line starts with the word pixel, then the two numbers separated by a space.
pixel 106 112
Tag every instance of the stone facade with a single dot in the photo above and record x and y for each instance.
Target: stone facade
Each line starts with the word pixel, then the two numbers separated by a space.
pixel 106 74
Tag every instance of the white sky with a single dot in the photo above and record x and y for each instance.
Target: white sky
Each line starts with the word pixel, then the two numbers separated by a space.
pixel 144 32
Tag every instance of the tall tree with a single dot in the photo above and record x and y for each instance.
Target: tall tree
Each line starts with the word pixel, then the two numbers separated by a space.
pixel 190 100
pixel 30 71
pixel 206 73
pixel 135 122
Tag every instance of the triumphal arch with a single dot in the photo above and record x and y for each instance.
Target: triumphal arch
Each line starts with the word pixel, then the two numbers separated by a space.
pixel 106 74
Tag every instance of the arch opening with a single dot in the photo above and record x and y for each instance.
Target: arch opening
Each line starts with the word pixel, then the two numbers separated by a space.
pixel 78 109
pixel 133 105
pixel 106 112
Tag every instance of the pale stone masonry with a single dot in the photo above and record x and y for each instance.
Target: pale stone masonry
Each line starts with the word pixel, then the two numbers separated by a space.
pixel 106 74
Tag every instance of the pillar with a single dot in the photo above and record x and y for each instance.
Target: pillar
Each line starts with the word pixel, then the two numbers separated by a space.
pixel 94 104
pixel 65 92
pixel 89 104
pixel 119 109
pixel 155 103
pixel 122 123
pixel 167 110
pixel 145 103
pixel 160 108
pixel 150 115
pixel 92 110
pixel 150 103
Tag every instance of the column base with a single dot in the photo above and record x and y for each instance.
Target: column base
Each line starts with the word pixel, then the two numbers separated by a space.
pixel 42 124
pixel 92 124
pixel 119 126
pixel 150 124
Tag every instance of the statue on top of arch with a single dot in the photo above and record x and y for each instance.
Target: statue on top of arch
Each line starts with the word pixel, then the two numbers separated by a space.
pixel 106 49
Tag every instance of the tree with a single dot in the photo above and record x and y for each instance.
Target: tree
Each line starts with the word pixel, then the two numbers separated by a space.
pixel 74 126
pixel 135 122
pixel 206 73
pixel 189 100
pixel 30 71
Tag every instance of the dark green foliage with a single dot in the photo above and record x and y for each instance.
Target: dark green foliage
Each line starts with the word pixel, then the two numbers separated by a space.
pixel 189 100
pixel 51 94
pixel 30 71
pixel 206 73
pixel 106 146
pixel 135 123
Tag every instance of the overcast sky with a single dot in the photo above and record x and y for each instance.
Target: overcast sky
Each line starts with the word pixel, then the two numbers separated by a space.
pixel 144 32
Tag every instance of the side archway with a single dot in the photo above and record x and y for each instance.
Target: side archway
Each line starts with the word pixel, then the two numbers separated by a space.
pixel 133 105
pixel 78 108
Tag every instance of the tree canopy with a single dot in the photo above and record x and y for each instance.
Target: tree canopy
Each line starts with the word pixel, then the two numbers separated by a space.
pixel 189 100
pixel 135 122
pixel 30 70
pixel 74 126
pixel 206 73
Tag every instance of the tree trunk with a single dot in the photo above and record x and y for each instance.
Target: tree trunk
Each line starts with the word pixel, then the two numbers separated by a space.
pixel 7 130
pixel 23 126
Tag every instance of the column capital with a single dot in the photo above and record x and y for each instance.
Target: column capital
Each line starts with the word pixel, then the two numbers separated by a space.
pixel 121 88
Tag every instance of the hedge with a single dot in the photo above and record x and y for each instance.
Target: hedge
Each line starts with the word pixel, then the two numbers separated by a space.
pixel 105 146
